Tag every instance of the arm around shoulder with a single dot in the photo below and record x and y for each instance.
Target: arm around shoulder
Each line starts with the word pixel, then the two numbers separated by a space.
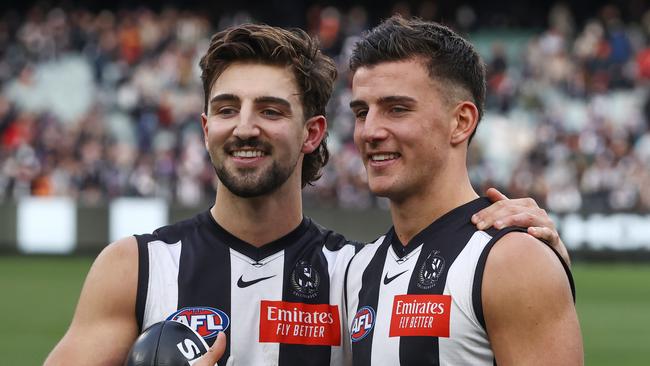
pixel 104 325
pixel 528 306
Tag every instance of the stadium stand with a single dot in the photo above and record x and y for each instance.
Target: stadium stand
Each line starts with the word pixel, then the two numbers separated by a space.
pixel 97 105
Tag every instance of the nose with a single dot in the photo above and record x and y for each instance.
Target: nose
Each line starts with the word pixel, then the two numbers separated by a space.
pixel 371 129
pixel 247 126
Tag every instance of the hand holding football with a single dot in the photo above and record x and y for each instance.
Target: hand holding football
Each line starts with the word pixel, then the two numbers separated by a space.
pixel 167 343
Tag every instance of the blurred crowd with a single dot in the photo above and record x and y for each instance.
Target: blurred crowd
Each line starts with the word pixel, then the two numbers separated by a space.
pixel 98 105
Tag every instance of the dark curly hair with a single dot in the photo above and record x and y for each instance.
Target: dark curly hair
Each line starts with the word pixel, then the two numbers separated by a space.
pixel 314 72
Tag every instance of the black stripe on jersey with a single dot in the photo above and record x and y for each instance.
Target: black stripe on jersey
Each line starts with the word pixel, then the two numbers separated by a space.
pixel 302 255
pixel 446 237
pixel 212 286
pixel 143 280
pixel 369 296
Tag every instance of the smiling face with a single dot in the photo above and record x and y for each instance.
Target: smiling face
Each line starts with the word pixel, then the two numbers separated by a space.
pixel 254 129
pixel 403 127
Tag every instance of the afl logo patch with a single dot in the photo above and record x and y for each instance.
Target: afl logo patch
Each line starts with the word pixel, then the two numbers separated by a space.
pixel 362 324
pixel 305 280
pixel 208 322
pixel 431 270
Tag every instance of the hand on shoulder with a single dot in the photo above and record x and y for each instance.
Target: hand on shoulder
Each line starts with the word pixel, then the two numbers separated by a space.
pixel 522 212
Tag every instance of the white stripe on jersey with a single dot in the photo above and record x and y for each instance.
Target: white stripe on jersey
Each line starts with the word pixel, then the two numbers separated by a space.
pixel 245 324
pixel 162 291
pixel 337 262
pixel 359 262
pixel 467 343
pixel 389 346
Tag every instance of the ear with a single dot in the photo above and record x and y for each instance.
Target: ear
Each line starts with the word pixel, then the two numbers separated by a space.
pixel 315 129
pixel 466 118
pixel 204 127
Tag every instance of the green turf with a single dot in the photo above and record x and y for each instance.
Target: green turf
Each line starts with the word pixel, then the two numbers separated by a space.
pixel 614 309
pixel 39 295
pixel 38 298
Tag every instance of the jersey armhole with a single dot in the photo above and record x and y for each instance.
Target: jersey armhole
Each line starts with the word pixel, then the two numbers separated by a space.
pixel 480 269
pixel 567 270
pixel 477 294
pixel 143 280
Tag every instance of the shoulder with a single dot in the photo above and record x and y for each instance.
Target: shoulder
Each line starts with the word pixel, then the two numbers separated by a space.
pixel 522 273
pixel 116 265
pixel 176 231
pixel 520 252
pixel 110 288
pixel 528 306
pixel 331 240
pixel 121 249
pixel 365 252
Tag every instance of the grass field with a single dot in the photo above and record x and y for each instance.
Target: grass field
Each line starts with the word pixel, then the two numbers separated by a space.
pixel 39 295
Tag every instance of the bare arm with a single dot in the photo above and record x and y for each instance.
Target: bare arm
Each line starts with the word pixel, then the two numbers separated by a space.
pixel 104 325
pixel 528 306
pixel 523 212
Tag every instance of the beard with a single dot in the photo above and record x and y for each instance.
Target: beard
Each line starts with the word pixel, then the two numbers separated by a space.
pixel 254 182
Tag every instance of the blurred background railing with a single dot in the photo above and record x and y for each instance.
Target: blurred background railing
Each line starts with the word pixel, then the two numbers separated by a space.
pixel 39 225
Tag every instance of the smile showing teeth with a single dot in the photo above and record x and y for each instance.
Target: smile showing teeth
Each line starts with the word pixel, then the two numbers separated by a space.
pixel 383 157
pixel 247 153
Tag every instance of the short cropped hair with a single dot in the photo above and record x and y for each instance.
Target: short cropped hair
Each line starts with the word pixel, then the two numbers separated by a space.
pixel 449 58
pixel 314 72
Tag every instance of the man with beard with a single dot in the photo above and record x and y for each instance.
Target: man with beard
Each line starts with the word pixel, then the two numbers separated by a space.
pixel 252 267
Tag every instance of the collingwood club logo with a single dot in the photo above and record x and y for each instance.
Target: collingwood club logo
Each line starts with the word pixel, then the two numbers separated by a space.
pixel 305 280
pixel 431 270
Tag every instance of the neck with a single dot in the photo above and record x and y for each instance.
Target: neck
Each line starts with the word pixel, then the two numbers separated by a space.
pixel 417 211
pixel 259 220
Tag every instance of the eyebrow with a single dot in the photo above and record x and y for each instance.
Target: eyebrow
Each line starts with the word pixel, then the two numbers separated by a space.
pixel 384 100
pixel 396 99
pixel 273 100
pixel 357 104
pixel 224 97
pixel 264 99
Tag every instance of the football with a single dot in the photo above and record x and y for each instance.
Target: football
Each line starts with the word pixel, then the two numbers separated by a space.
pixel 167 343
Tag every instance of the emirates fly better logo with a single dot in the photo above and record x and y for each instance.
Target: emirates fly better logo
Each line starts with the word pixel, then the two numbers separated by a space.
pixel 298 323
pixel 420 315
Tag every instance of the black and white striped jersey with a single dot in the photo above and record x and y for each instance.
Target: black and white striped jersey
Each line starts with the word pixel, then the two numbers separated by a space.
pixel 420 304
pixel 279 304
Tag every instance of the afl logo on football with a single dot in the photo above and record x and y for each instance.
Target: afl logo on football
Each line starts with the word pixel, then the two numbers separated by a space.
pixel 431 270
pixel 208 322
pixel 305 280
pixel 362 323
